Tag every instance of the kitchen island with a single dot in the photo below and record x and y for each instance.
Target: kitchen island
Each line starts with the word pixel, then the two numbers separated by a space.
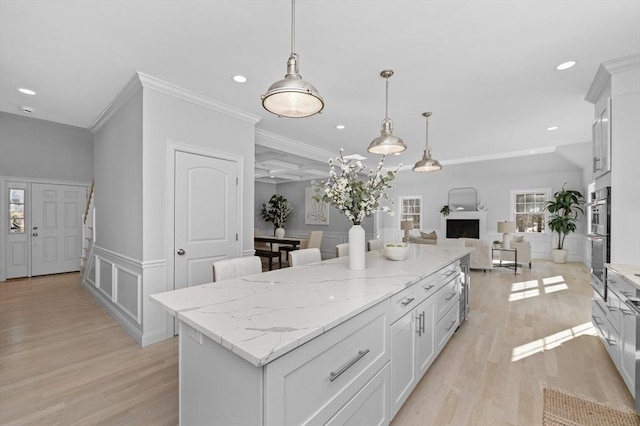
pixel 316 343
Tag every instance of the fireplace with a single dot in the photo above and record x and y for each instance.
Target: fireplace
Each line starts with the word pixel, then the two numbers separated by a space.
pixel 479 218
pixel 463 228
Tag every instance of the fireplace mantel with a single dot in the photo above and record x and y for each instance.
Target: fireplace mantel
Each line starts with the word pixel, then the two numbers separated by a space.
pixel 481 216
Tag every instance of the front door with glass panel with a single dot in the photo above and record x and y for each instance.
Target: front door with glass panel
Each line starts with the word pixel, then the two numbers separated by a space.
pixel 45 228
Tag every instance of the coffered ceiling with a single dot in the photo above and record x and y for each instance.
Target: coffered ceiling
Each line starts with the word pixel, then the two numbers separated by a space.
pixel 486 69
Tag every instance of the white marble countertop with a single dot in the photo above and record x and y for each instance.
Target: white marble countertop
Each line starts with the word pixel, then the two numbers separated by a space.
pixel 261 317
pixel 630 272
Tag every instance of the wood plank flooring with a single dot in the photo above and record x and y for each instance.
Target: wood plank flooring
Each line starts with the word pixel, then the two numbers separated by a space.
pixel 64 361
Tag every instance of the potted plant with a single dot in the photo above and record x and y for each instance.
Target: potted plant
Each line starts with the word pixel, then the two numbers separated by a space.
pixel 276 211
pixel 445 210
pixel 564 210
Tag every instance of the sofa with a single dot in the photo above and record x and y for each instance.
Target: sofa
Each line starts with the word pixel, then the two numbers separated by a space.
pixel 524 251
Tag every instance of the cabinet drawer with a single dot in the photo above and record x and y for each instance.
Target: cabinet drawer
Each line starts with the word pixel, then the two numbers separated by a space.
pixel 369 406
pixel 446 297
pixel 311 383
pixel 403 302
pixel 446 273
pixel 598 317
pixel 447 326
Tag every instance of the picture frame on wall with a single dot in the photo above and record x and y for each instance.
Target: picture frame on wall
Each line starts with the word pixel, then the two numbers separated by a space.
pixel 315 212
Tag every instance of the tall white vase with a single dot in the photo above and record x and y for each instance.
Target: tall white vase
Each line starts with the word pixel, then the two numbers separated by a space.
pixel 279 233
pixel 356 248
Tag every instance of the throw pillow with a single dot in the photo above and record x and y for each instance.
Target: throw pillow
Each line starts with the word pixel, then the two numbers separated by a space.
pixel 429 236
pixel 517 239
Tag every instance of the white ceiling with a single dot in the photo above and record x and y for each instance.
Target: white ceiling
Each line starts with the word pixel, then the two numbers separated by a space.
pixel 486 69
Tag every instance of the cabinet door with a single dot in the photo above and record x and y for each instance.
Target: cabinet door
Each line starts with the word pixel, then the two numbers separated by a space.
pixel 628 348
pixel 425 335
pixel 403 374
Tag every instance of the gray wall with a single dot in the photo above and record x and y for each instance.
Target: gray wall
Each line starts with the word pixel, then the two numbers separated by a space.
pixel 38 149
pixel 493 181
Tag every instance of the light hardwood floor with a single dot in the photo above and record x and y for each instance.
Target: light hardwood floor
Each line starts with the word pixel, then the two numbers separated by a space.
pixel 64 361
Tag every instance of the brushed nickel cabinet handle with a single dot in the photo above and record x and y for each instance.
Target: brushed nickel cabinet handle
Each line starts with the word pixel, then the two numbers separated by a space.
pixel 451 326
pixel 595 319
pixel 333 376
pixel 429 287
pixel 451 297
pixel 407 301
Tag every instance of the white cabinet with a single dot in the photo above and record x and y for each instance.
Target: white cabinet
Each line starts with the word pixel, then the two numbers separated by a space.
pixel 601 137
pixel 420 333
pixel 403 367
pixel 310 384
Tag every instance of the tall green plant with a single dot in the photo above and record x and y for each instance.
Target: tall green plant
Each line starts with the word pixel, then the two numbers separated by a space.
pixel 564 210
pixel 276 211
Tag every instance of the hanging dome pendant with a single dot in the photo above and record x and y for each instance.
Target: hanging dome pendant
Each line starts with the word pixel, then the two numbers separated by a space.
pixel 292 96
pixel 386 143
pixel 427 164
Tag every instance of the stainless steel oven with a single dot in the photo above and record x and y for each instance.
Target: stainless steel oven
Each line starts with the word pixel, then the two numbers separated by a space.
pixel 600 206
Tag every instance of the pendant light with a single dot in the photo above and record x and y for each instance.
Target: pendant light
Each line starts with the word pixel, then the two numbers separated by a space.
pixel 386 143
pixel 427 164
pixel 292 96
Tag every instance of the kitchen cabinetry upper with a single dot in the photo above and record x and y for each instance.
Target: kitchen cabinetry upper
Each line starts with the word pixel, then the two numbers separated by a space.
pixel 615 93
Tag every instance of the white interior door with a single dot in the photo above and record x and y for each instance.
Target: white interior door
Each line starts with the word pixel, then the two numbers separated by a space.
pixel 206 216
pixel 56 227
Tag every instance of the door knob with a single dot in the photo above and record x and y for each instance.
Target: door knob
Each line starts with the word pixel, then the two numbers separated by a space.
pixel 35 234
pixel 181 252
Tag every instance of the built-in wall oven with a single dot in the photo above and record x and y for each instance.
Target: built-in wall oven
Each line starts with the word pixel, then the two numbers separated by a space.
pixel 599 235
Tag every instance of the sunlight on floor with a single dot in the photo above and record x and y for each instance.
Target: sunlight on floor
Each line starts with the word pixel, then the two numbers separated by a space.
pixel 526 289
pixel 552 341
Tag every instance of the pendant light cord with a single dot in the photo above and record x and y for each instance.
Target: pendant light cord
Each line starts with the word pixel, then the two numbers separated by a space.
pixel 293 26
pixel 386 105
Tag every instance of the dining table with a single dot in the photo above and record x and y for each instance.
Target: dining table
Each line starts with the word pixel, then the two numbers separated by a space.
pixel 294 244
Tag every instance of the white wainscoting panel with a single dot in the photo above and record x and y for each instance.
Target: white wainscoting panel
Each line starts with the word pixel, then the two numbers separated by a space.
pixel 105 277
pixel 128 285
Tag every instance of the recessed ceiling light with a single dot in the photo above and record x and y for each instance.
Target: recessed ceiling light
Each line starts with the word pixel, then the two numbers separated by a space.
pixel 552 128
pixel 272 177
pixel 532 152
pixel 26 91
pixel 340 126
pixel 239 78
pixel 565 65
pixel 396 153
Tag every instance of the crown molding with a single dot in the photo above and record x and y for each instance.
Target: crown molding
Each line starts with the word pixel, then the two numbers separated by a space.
pixel 280 143
pixel 605 70
pixel 131 88
pixel 140 80
pixel 194 98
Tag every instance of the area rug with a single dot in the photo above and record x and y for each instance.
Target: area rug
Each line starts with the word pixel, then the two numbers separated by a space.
pixel 564 409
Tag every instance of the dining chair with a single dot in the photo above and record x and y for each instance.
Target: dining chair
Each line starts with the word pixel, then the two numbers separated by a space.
pixel 342 249
pixel 236 268
pixel 374 244
pixel 304 256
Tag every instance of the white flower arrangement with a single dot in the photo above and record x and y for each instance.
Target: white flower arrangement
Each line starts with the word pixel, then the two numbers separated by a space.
pixel 353 196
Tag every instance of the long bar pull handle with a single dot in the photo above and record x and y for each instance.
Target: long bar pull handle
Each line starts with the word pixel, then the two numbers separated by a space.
pixel 429 287
pixel 452 296
pixel 595 319
pixel 407 301
pixel 418 322
pixel 333 376
pixel 424 314
pixel 611 342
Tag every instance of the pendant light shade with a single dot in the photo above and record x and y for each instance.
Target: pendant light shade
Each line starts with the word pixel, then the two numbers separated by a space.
pixel 427 164
pixel 292 96
pixel 386 143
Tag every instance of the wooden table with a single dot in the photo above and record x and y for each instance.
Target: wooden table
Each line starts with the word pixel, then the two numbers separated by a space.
pixel 270 254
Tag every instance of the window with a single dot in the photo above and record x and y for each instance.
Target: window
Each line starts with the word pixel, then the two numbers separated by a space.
pixel 411 209
pixel 527 209
pixel 16 211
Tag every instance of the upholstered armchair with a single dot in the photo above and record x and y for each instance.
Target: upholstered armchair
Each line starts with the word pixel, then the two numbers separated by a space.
pixel 480 257
pixel 524 251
